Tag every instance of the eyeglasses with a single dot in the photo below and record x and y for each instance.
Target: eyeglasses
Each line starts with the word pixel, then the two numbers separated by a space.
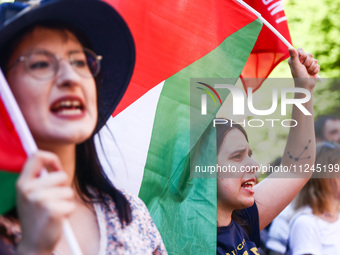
pixel 43 65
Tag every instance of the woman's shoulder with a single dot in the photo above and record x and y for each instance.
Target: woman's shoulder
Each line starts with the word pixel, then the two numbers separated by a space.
pixel 139 211
pixel 141 232
pixel 133 199
pixel 135 202
pixel 304 214
pixel 304 220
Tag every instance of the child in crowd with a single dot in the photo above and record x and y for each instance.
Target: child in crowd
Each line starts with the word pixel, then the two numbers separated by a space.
pixel 239 219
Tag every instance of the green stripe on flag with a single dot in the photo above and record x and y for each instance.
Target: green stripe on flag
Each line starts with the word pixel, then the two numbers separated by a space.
pixel 184 208
pixel 7 191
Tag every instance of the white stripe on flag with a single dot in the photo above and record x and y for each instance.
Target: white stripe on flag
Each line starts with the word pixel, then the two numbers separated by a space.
pixel 126 139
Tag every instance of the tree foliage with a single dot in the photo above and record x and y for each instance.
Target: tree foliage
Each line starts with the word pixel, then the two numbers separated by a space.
pixel 315 26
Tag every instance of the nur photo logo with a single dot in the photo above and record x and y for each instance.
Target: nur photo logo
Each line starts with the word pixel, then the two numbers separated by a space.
pixel 243 102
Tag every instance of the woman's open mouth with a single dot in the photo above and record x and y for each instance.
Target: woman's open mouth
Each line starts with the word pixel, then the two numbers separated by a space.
pixel 68 107
pixel 248 185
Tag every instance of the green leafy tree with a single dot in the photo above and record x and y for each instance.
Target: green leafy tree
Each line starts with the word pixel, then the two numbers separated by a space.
pixel 314 26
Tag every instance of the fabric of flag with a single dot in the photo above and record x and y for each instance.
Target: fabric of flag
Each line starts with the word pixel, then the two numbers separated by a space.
pixel 269 50
pixel 12 158
pixel 145 148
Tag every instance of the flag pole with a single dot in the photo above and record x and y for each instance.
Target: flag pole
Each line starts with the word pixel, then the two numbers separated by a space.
pixel 30 148
pixel 273 29
pixel 264 21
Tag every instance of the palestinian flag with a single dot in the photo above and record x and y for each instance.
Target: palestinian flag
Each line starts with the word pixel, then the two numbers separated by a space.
pixel 12 152
pixel 148 143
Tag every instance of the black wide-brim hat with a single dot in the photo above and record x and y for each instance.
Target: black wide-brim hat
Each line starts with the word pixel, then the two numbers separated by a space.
pixel 107 32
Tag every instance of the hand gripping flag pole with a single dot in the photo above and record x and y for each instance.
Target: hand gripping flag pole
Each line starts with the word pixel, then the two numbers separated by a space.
pixel 273 29
pixel 30 147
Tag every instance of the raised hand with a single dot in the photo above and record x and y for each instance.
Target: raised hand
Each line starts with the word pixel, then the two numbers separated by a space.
pixel 303 66
pixel 42 202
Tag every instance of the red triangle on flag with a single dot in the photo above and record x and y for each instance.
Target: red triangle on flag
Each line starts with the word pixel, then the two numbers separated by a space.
pixel 167 35
pixel 12 153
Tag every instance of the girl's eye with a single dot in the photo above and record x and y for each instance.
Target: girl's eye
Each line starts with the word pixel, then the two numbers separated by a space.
pixel 39 65
pixel 237 156
pixel 79 63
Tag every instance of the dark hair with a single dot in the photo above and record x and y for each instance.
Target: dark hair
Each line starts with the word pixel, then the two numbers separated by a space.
pixel 89 172
pixel 222 129
pixel 319 125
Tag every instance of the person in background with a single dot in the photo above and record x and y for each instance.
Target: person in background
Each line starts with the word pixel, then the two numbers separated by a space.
pixel 327 128
pixel 243 208
pixel 315 229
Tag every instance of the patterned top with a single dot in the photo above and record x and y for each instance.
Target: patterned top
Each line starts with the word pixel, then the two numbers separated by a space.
pixel 140 237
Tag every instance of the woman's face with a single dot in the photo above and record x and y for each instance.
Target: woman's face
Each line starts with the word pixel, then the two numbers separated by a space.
pixel 62 109
pixel 235 190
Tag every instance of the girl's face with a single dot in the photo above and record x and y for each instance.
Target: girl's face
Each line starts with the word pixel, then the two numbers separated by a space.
pixel 62 109
pixel 235 190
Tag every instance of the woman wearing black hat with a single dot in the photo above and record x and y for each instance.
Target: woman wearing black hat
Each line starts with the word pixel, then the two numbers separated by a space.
pixel 68 70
